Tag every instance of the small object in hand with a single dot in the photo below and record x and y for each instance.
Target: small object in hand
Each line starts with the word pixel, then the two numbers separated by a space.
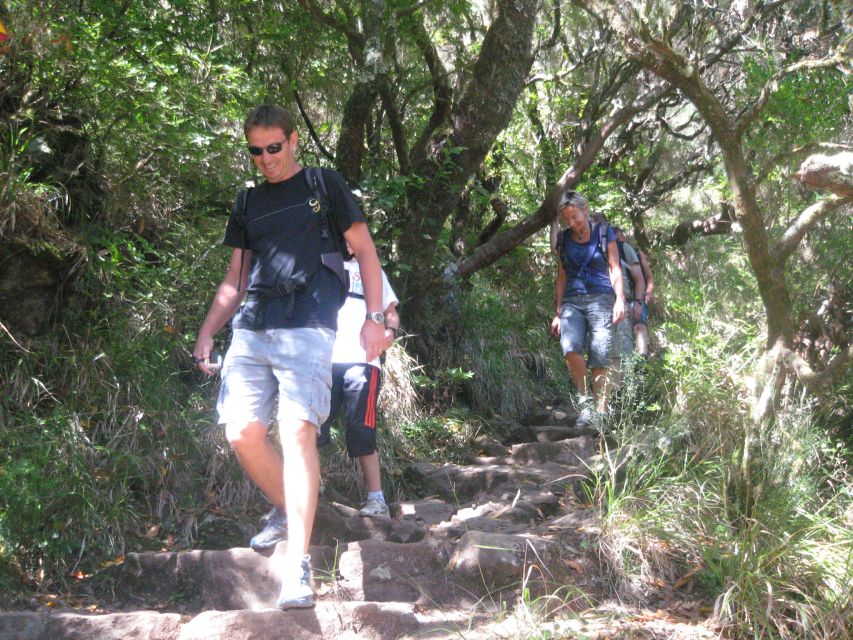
pixel 214 361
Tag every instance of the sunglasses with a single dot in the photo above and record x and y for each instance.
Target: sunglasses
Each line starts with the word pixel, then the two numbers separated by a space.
pixel 272 149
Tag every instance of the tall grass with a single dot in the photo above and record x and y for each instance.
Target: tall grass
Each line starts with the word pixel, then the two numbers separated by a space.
pixel 758 519
pixel 106 430
pixel 504 339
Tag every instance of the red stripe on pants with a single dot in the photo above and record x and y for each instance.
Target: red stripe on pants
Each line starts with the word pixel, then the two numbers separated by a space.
pixel 370 414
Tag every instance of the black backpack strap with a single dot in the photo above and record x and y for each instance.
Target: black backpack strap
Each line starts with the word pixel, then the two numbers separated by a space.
pixel 328 222
pixel 603 227
pixel 329 229
pixel 243 220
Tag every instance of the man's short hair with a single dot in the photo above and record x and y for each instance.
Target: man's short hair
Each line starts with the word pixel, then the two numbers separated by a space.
pixel 268 116
pixel 572 199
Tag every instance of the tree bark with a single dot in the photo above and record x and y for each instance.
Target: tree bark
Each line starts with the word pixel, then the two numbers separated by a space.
pixel 351 141
pixel 450 159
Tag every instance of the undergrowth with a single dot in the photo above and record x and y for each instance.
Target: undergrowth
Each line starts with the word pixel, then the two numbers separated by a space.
pixel 756 518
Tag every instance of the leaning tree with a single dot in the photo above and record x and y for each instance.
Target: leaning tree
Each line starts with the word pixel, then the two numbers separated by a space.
pixel 793 43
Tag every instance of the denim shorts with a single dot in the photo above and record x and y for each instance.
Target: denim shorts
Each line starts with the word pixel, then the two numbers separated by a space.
pixel 586 320
pixel 293 366
pixel 644 315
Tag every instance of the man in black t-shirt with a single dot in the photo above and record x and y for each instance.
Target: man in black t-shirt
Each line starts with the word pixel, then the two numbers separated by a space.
pixel 284 332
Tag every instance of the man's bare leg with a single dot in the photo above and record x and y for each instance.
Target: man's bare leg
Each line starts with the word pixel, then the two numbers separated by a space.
pixel 577 369
pixel 641 335
pixel 259 458
pixel 301 490
pixel 370 471
pixel 600 387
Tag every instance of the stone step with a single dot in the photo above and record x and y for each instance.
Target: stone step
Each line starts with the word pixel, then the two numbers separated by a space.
pixel 190 581
pixel 377 571
pixel 569 452
pixel 562 416
pixel 462 484
pixel 497 561
pixel 242 579
pixel 552 433
pixel 333 620
pixel 512 514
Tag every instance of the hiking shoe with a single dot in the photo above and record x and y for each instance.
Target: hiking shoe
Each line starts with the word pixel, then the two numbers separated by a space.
pixel 586 411
pixel 374 508
pixel 274 531
pixel 585 417
pixel 296 589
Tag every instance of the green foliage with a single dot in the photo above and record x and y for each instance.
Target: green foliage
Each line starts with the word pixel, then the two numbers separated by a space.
pixel 790 118
pixel 443 437
pixel 151 115
pixel 120 136
pixel 759 518
pixel 62 494
pixel 104 426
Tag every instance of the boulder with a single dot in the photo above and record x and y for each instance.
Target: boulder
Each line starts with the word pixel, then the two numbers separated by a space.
pixel 373 570
pixel 64 625
pixel 570 452
pixel 499 560
pixel 430 511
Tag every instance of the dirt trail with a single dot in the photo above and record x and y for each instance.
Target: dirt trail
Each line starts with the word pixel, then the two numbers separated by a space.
pixel 502 547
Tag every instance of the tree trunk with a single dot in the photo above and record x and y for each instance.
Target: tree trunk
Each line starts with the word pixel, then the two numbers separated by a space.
pixel 351 142
pixel 440 174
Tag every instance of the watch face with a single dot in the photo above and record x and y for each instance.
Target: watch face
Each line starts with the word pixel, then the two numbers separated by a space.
pixel 377 317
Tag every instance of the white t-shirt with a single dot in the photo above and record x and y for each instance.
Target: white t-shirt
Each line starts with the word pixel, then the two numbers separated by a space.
pixel 351 318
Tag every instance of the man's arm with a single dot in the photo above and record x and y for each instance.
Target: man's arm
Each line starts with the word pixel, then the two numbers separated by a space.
pixel 616 280
pixel 639 288
pixel 359 240
pixel 224 305
pixel 650 281
pixel 392 324
pixel 561 284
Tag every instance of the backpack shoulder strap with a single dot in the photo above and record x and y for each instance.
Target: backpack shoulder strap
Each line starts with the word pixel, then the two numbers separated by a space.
pixel 243 220
pixel 603 228
pixel 561 238
pixel 328 221
pixel 242 209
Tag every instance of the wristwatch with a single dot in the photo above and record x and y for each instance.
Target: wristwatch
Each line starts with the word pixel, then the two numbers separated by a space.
pixel 376 316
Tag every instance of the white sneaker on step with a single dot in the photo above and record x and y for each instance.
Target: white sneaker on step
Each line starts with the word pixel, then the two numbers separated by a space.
pixel 374 508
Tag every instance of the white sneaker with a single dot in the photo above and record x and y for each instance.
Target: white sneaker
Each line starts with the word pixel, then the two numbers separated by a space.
pixel 297 591
pixel 274 531
pixel 586 411
pixel 374 508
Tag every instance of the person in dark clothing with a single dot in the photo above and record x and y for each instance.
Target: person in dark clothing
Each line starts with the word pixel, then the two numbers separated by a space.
pixel 281 349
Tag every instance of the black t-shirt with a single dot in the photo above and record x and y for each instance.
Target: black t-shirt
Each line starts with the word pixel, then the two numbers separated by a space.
pixel 283 232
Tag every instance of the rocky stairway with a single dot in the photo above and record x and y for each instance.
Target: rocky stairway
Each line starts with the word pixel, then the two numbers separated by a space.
pixel 443 566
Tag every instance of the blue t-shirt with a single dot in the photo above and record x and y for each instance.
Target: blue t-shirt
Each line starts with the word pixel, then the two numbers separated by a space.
pixel 587 269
